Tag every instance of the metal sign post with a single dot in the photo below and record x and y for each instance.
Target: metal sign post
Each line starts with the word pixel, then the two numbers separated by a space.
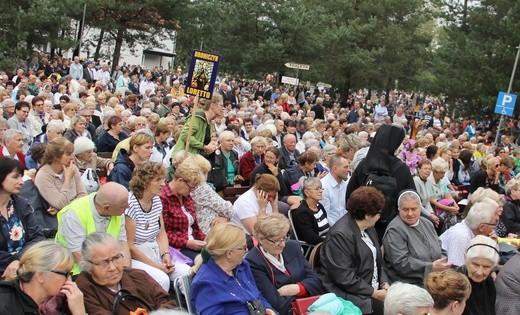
pixel 508 91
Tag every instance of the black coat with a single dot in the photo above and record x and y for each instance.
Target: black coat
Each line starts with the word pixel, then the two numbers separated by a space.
pixel 511 216
pixel 33 232
pixel 218 175
pixel 347 265
pixel 15 301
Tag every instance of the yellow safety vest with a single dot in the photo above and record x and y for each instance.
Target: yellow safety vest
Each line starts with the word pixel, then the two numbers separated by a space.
pixel 84 212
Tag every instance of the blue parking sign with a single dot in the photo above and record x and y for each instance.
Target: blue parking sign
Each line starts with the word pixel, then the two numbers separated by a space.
pixel 505 104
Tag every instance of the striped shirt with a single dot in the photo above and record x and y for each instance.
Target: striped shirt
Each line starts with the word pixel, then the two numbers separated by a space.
pixel 147 224
pixel 323 223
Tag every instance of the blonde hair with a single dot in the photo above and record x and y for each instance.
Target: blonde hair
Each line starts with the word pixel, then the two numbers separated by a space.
pixel 139 139
pixel 271 225
pixel 42 256
pixel 201 162
pixel 189 172
pixel 224 237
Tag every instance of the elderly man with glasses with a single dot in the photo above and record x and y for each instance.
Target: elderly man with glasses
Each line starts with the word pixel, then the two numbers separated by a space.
pixel 20 122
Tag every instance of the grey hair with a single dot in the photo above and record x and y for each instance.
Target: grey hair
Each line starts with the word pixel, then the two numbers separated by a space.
pixel 308 135
pixel 440 165
pixel 328 148
pixel 408 195
pixel 513 184
pixel 55 126
pixel 351 141
pixel 406 299
pixel 83 144
pixel 483 247
pixel 89 245
pixel 10 134
pixel 479 213
pixel 312 143
pixel 306 183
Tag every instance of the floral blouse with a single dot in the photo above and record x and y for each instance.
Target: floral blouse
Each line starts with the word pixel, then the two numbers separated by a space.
pixel 12 230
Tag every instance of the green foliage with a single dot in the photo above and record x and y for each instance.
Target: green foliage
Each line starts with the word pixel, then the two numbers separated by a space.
pixel 476 53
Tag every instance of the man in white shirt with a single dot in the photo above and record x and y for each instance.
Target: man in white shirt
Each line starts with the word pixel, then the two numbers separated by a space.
pixel 334 188
pixel 147 84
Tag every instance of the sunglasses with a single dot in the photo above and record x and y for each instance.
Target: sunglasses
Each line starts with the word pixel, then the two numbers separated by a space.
pixel 66 274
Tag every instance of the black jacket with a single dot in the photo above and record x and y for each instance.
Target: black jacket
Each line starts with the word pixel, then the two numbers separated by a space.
pixel 511 216
pixel 218 174
pixel 33 232
pixel 381 158
pixel 347 264
pixel 15 301
pixel 306 225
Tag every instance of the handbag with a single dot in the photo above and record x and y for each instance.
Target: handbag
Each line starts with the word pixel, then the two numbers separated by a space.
pixel 90 180
pixel 256 307
pixel 124 295
pixel 300 306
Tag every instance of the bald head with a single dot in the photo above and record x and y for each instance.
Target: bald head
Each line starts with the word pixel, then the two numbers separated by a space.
pixel 289 142
pixel 111 199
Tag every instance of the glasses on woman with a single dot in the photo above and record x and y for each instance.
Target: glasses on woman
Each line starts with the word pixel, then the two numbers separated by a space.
pixel 243 248
pixel 66 274
pixel 191 187
pixel 280 241
pixel 117 259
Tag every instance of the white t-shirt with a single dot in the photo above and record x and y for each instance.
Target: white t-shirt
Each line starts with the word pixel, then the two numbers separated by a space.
pixel 246 206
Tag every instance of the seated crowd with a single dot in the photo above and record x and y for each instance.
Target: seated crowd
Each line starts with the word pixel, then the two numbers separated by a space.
pixel 107 198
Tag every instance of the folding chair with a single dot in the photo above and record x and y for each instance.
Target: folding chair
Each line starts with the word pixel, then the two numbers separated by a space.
pixel 182 288
pixel 307 248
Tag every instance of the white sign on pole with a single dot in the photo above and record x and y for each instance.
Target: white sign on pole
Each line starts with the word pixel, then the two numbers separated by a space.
pixel 297 66
pixel 289 80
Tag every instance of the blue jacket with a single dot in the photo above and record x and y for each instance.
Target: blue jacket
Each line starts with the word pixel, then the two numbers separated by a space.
pixel 122 171
pixel 216 293
pixel 269 279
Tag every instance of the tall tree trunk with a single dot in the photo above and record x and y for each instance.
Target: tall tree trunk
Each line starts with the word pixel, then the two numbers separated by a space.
pixel 76 50
pixel 98 46
pixel 117 48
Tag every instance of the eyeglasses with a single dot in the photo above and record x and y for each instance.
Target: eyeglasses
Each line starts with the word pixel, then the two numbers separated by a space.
pixel 38 104
pixel 25 111
pixel 104 263
pixel 243 248
pixel 318 189
pixel 188 184
pixel 66 274
pixel 280 241
pixel 490 224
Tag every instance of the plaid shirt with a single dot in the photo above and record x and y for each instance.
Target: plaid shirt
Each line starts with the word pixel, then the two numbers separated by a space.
pixel 176 222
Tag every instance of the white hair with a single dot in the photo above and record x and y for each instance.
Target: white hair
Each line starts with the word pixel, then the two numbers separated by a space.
pixel 406 299
pixel 480 213
pixel 83 144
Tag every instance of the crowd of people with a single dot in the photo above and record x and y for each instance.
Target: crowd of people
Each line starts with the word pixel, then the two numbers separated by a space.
pixel 127 175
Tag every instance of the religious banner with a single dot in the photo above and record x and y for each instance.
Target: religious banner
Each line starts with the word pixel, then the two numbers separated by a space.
pixel 202 74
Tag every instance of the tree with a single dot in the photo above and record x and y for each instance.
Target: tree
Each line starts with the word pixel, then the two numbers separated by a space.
pixel 476 53
pixel 131 21
pixel 29 25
